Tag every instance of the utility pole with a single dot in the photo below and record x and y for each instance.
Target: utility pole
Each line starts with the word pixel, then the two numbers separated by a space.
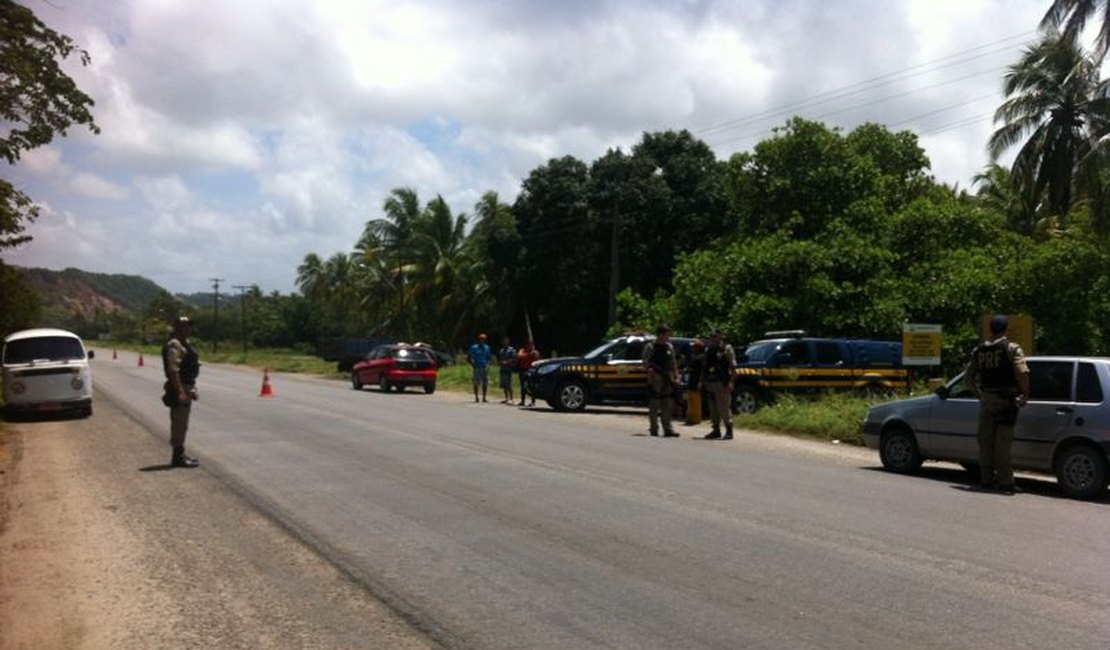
pixel 216 310
pixel 242 313
pixel 614 268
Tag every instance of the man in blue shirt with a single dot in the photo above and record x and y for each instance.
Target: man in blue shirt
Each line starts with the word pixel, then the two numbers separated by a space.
pixel 478 357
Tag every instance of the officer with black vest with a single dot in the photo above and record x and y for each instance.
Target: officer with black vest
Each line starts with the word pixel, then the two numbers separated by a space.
pixel 661 365
pixel 999 377
pixel 182 366
pixel 720 360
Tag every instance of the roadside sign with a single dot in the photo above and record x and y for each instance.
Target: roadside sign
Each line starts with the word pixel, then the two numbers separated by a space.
pixel 1020 330
pixel 921 344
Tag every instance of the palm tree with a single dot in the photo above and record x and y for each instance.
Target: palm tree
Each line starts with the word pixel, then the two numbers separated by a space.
pixel 1053 97
pixel 395 232
pixel 1000 191
pixel 438 244
pixel 1073 15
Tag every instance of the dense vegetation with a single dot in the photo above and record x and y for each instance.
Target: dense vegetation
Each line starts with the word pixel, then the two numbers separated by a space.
pixel 837 232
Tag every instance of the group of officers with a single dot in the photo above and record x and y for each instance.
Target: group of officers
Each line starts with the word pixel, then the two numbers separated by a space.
pixel 709 368
pixel 997 373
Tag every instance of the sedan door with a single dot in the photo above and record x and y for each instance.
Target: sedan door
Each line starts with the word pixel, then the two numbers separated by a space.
pixel 1048 415
pixel 953 424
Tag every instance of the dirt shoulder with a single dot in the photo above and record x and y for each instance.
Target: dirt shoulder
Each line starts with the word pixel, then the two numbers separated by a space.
pixel 103 546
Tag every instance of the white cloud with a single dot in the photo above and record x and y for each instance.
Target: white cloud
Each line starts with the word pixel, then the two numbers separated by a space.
pixel 259 132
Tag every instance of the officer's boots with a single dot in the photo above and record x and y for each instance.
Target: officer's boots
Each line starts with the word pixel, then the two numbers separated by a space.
pixel 181 459
pixel 728 431
pixel 715 434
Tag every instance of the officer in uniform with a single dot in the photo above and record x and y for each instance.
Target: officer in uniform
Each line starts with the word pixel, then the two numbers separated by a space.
pixel 661 365
pixel 182 365
pixel 720 360
pixel 999 377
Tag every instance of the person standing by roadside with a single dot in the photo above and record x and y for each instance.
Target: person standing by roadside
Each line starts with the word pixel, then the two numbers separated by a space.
pixel 506 365
pixel 999 377
pixel 478 357
pixel 720 360
pixel 525 357
pixel 181 363
pixel 661 365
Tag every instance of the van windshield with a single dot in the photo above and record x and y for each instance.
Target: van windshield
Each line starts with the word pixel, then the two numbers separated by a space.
pixel 48 348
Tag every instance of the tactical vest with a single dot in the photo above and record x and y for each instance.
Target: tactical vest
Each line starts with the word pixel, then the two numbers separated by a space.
pixel 190 364
pixel 995 366
pixel 716 363
pixel 660 358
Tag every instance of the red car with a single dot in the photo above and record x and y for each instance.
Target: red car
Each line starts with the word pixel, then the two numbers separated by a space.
pixel 396 366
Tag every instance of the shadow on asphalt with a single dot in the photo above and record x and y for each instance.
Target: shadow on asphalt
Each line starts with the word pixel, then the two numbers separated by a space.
pixel 960 479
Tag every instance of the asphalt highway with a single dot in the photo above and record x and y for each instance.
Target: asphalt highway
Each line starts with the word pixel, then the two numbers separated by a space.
pixel 490 526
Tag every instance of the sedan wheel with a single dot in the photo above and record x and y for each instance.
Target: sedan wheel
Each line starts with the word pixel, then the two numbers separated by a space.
pixel 356 381
pixel 1081 472
pixel 572 397
pixel 898 451
pixel 384 384
pixel 429 388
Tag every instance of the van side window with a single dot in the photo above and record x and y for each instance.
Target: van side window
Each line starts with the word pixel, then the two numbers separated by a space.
pixel 1088 388
pixel 1050 381
pixel 794 353
pixel 828 353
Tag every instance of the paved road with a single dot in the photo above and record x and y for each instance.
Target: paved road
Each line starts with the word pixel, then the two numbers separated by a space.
pixel 493 527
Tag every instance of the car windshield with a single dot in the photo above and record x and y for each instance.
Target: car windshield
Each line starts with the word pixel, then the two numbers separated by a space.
pixel 43 348
pixel 761 352
pixel 599 350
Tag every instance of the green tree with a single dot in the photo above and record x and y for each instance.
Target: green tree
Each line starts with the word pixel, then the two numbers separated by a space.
pixel 1073 16
pixel 563 274
pixel 1054 95
pixel 37 101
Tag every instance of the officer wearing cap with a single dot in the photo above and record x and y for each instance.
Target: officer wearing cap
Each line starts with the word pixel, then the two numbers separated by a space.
pixel 661 365
pixel 999 377
pixel 181 363
pixel 478 357
pixel 720 360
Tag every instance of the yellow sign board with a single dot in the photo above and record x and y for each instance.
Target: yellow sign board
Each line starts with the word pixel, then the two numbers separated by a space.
pixel 921 344
pixel 1020 331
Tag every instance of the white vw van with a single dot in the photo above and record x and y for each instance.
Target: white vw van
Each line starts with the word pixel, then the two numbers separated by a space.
pixel 46 370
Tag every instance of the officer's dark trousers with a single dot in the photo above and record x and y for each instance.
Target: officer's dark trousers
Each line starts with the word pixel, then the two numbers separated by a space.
pixel 996 437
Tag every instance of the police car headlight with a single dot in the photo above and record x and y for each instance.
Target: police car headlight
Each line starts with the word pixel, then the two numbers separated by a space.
pixel 547 369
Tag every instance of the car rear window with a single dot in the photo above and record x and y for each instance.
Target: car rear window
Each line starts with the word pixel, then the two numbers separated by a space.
pixel 43 348
pixel 1088 388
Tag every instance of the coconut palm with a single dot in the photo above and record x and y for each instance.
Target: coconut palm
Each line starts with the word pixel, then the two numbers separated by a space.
pixel 1073 16
pixel 1053 97
pixel 395 232
pixel 1000 191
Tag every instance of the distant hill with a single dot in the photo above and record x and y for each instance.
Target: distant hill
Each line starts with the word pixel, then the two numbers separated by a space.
pixel 80 292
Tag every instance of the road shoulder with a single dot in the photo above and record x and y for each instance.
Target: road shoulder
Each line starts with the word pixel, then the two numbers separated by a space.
pixel 102 546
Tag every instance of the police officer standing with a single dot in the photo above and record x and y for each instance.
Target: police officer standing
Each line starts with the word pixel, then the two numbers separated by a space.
pixel 182 366
pixel 663 380
pixel 999 377
pixel 720 360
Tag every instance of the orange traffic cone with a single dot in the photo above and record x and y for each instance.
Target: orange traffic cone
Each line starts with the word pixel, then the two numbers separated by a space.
pixel 267 390
pixel 141 364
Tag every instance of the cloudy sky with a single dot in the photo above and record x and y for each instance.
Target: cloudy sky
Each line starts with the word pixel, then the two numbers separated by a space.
pixel 240 135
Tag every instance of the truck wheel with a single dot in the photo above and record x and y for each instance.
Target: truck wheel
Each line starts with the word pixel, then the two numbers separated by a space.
pixel 1081 472
pixel 744 400
pixel 898 451
pixel 571 396
pixel 356 381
